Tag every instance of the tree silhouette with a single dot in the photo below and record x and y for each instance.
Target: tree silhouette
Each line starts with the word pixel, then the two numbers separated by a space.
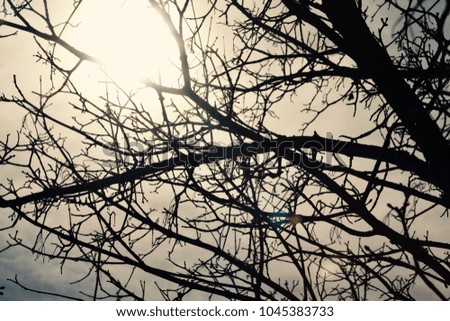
pixel 302 154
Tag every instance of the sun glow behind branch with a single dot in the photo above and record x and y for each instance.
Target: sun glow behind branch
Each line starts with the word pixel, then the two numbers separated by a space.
pixel 131 40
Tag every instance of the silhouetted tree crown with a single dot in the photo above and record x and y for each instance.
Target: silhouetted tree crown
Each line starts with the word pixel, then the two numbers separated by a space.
pixel 296 150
